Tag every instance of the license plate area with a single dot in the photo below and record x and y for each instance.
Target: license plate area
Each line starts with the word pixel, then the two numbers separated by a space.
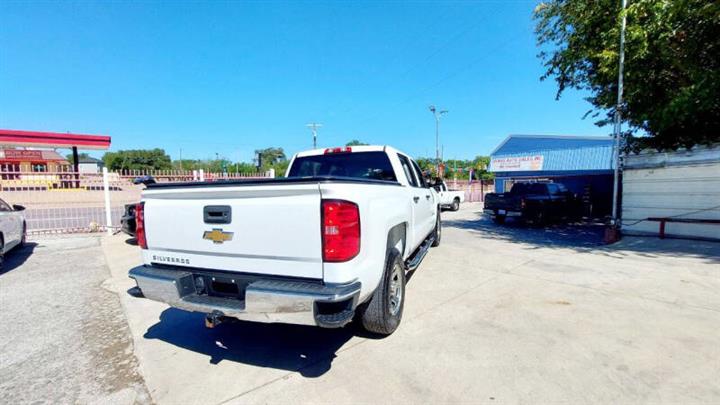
pixel 219 286
pixel 501 212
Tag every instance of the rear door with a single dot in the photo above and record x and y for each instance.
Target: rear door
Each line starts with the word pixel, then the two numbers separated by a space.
pixel 263 229
pixel 429 204
pixel 420 201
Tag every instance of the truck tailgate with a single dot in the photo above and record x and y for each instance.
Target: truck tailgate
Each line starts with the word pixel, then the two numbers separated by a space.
pixel 272 229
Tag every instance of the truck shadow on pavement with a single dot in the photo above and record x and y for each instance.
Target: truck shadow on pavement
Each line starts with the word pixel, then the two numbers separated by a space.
pixel 581 236
pixel 17 257
pixel 585 237
pixel 306 349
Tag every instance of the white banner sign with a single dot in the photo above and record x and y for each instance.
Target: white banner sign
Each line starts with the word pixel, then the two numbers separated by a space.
pixel 517 164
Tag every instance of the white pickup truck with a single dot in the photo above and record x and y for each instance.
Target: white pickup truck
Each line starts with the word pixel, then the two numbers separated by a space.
pixel 448 198
pixel 332 240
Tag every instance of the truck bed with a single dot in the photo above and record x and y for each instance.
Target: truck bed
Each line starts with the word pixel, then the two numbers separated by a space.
pixel 258 226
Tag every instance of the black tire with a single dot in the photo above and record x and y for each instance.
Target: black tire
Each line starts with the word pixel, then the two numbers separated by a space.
pixel 2 248
pixel 455 204
pixel 437 233
pixel 499 219
pixel 382 313
pixel 23 239
pixel 539 219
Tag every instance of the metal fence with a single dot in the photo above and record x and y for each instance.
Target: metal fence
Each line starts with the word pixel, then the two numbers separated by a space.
pixel 65 202
pixel 475 191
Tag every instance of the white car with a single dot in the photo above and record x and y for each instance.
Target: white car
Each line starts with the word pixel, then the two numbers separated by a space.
pixel 333 239
pixel 448 198
pixel 13 230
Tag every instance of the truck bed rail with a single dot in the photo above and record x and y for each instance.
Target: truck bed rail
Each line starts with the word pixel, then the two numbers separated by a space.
pixel 276 181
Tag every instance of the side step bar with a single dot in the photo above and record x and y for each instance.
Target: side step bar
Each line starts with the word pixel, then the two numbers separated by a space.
pixel 414 261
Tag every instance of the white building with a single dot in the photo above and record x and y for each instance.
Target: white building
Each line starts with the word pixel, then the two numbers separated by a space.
pixel 90 165
pixel 682 187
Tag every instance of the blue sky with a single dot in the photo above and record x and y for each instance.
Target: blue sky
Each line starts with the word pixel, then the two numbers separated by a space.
pixel 231 77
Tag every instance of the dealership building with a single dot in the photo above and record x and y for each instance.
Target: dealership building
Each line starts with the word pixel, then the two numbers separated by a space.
pixel 584 164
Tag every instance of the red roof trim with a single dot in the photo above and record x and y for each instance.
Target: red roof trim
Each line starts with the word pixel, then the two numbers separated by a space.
pixel 53 139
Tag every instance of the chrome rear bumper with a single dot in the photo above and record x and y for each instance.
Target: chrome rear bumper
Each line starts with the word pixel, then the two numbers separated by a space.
pixel 266 300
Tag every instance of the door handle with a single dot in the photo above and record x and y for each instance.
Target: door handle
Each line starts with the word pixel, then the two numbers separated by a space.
pixel 416 198
pixel 217 214
pixel 427 196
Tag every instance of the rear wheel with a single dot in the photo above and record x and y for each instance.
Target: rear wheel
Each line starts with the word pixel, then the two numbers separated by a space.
pixel 2 251
pixel 539 219
pixel 23 239
pixel 383 312
pixel 437 233
pixel 455 204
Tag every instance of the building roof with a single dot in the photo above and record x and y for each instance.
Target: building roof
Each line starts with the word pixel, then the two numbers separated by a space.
pixel 558 153
pixel 12 137
pixel 88 159
pixel 529 143
pixel 22 155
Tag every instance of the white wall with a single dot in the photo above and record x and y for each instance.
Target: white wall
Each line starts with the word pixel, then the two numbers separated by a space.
pixel 683 184
pixel 88 168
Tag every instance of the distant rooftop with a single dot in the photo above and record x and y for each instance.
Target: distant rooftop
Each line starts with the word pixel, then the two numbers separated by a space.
pixel 514 144
pixel 88 159
pixel 557 153
pixel 27 155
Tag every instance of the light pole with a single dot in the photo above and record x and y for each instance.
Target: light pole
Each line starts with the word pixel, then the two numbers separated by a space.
pixel 618 118
pixel 437 114
pixel 313 127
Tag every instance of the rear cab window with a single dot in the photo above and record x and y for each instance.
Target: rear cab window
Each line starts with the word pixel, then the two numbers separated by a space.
pixel 409 171
pixel 359 165
pixel 529 188
pixel 419 173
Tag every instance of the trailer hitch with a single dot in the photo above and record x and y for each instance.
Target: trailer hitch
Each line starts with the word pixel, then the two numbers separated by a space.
pixel 214 319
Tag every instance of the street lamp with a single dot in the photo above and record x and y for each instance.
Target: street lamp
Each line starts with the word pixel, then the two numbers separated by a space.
pixel 314 127
pixel 437 115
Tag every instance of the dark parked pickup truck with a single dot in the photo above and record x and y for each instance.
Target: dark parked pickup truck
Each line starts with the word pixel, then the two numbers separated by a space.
pixel 535 202
pixel 127 222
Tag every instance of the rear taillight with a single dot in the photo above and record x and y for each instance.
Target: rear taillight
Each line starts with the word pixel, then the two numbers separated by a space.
pixel 340 230
pixel 523 204
pixel 140 225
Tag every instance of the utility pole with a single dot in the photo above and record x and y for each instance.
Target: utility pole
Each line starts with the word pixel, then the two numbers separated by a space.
pixel 313 127
pixel 438 115
pixel 618 118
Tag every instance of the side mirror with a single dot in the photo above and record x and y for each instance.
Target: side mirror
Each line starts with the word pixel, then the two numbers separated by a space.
pixel 18 207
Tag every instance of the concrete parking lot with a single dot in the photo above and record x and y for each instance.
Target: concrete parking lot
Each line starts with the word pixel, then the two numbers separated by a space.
pixel 495 314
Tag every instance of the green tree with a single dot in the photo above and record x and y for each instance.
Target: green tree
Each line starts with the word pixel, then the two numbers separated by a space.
pixel 138 159
pixel 672 64
pixel 459 168
pixel 280 168
pixel 271 156
pixel 355 142
pixel 81 156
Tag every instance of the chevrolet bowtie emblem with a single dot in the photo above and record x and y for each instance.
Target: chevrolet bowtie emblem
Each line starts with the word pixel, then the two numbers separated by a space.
pixel 218 236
